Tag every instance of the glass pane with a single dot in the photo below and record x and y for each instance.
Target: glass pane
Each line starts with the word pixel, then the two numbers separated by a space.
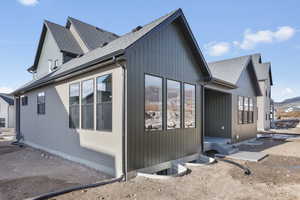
pixel 87 108
pixel 189 106
pixel 173 104
pixel 246 104
pixel 153 103
pixel 74 94
pixel 104 102
pixel 88 92
pixel 241 103
pixel 104 88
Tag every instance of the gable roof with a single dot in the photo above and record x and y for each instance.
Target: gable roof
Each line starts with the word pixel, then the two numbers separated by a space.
pixel 263 70
pixel 117 47
pixel 230 71
pixel 8 99
pixel 91 36
pixel 63 38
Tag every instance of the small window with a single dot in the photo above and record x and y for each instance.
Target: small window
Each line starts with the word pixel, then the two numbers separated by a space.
pixel 41 106
pixel 24 100
pixel 74 91
pixel 189 106
pixel 50 65
pixel 87 104
pixel 104 102
pixel 153 103
pixel 173 104
pixel 2 122
pixel 246 110
pixel 251 111
pixel 240 109
pixel 55 64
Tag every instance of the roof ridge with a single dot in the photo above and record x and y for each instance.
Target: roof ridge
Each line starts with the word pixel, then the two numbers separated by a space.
pixel 96 27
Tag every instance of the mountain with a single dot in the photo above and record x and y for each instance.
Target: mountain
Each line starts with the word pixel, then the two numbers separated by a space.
pixel 289 101
pixel 289 107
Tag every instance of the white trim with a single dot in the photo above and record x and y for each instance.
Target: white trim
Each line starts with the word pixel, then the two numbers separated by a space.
pixel 87 163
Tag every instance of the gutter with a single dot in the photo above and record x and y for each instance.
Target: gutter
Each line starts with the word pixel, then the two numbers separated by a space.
pixel 83 68
pixel 223 83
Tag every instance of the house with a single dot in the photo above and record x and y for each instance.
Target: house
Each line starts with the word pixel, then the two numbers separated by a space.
pixel 120 104
pixel 7 111
pixel 231 99
pixel 264 102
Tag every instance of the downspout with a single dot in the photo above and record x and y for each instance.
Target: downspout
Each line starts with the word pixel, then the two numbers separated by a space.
pixel 124 120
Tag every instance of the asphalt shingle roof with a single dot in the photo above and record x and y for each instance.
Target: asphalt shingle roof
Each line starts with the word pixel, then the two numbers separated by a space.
pixel 8 99
pixel 64 38
pixel 93 37
pixel 229 70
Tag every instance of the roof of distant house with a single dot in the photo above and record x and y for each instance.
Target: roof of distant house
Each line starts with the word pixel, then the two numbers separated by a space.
pixel 7 98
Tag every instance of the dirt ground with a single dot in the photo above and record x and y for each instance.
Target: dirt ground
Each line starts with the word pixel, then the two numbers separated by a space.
pixel 27 172
pixel 277 177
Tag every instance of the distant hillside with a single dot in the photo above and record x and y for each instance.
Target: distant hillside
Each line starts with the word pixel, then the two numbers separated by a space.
pixel 289 108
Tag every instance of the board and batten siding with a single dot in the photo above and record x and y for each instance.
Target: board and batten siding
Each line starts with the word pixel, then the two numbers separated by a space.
pixel 217 114
pixel 165 53
pixel 97 149
pixel 245 88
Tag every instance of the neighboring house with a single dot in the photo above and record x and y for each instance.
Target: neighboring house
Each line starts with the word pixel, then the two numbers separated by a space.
pixel 230 100
pixel 117 104
pixel 7 111
pixel 264 102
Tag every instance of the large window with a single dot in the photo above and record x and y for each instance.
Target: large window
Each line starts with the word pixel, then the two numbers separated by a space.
pixel 153 103
pixel 41 105
pixel 87 104
pixel 246 110
pixel 240 109
pixel 173 104
pixel 74 91
pixel 104 102
pixel 251 110
pixel 2 122
pixel 189 106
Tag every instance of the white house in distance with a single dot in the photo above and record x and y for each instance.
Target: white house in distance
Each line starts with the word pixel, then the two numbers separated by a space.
pixel 264 102
pixel 7 111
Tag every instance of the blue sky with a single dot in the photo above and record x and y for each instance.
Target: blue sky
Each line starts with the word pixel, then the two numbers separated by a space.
pixel 223 29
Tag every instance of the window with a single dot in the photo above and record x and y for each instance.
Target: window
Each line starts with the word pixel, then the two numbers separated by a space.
pixel 189 106
pixel 41 110
pixel 24 100
pixel 246 110
pixel 55 64
pixel 153 103
pixel 241 110
pixel 104 102
pixel 173 104
pixel 74 91
pixel 87 104
pixel 50 65
pixel 2 122
pixel 251 110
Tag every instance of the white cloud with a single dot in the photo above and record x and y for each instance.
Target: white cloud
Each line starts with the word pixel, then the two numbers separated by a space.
pixel 282 93
pixel 28 2
pixel 217 48
pixel 251 39
pixel 5 90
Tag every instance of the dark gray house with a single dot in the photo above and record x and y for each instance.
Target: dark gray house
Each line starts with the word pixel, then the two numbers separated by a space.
pixel 230 100
pixel 117 103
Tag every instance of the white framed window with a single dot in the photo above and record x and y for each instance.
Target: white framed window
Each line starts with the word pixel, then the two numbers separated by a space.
pixel 41 103
pixel 50 63
pixel 56 64
pixel 87 104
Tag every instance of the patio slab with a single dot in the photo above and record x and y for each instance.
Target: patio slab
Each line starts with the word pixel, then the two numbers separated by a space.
pixel 248 156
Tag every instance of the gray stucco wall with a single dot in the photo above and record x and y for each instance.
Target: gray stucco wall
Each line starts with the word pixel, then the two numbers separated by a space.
pixel 263 104
pixel 97 149
pixel 51 51
pixel 165 53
